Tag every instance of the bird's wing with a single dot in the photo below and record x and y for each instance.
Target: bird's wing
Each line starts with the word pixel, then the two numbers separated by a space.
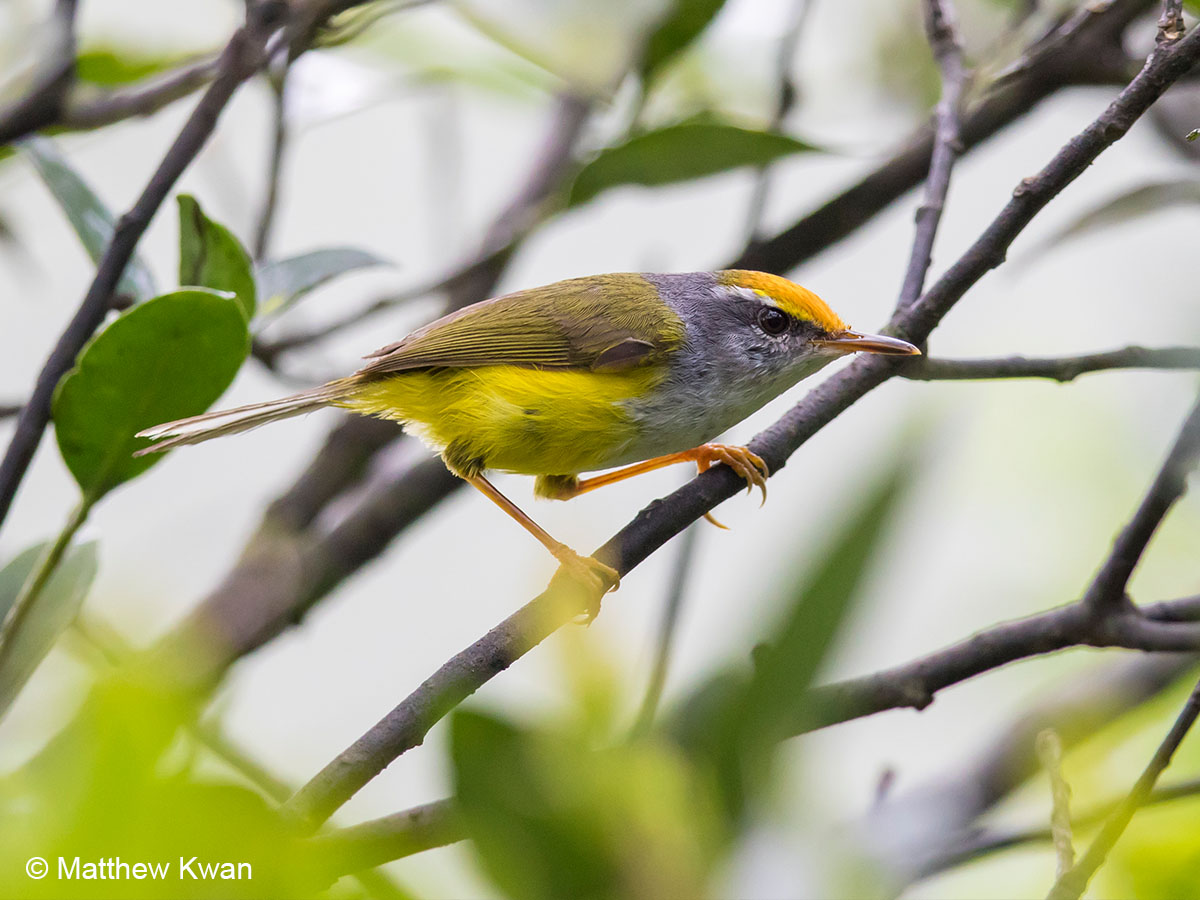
pixel 583 323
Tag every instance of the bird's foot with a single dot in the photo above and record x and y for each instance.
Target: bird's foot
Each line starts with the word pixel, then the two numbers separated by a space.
pixel 742 460
pixel 588 574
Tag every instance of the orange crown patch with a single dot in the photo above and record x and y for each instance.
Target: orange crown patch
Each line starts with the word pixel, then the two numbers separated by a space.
pixel 794 300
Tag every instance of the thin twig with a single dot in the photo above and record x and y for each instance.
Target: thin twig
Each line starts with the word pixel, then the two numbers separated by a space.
pixel 94 109
pixel 679 584
pixel 279 137
pixel 465 673
pixel 1107 592
pixel 43 103
pixel 389 838
pixel 1170 23
pixel 244 54
pixel 942 32
pixel 786 94
pixel 1056 368
pixel 8 410
pixel 1072 884
pixel 1049 750
pixel 985 843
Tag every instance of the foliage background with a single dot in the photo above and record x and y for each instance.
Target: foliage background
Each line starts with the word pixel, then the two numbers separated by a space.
pixel 406 142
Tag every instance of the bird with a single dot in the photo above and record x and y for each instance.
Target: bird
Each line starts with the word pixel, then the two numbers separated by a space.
pixel 625 372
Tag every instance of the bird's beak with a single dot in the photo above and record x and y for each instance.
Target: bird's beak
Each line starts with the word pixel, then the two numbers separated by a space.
pixel 856 342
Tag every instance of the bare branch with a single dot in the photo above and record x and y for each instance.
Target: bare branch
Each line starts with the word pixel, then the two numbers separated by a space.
pixel 1056 368
pixel 942 31
pixel 1170 23
pixel 8 410
pixel 389 838
pixel 1107 591
pixel 94 109
pixel 279 137
pixel 465 673
pixel 1094 54
pixel 241 58
pixel 1071 885
pixel 42 104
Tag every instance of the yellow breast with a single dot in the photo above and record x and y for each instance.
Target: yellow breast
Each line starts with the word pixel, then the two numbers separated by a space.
pixel 511 418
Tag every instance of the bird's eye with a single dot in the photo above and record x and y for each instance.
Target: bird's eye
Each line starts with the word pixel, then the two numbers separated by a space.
pixel 773 321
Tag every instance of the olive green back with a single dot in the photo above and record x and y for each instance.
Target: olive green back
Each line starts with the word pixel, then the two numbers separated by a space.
pixel 602 323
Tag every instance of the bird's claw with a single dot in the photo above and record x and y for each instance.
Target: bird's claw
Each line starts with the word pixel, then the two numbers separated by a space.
pixel 748 464
pixel 594 577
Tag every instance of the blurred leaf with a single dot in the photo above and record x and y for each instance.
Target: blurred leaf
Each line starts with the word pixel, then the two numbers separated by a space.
pixel 56 608
pixel 91 219
pixel 681 152
pixel 121 781
pixel 1158 857
pixel 683 23
pixel 736 721
pixel 553 817
pixel 1193 134
pixel 116 66
pixel 282 282
pixel 170 357
pixel 210 256
pixel 1133 204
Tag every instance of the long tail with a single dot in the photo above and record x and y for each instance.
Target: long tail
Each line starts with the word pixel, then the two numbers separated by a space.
pixel 211 425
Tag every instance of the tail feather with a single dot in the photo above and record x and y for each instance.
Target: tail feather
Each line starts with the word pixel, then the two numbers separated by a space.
pixel 196 429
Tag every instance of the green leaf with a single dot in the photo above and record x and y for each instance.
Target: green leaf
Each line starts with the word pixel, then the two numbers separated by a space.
pixel 282 282
pixel 115 66
pixel 210 256
pixel 736 720
pixel 553 816
pixel 681 152
pixel 1133 204
pixel 168 358
pixel 683 23
pixel 57 606
pixel 91 219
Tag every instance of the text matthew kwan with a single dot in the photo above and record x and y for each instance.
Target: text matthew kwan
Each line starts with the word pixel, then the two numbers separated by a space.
pixel 113 868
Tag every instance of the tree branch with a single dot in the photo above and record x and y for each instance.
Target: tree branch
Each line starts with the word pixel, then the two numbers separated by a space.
pixel 942 31
pixel 94 109
pixel 1107 591
pixel 42 104
pixel 369 844
pixel 1071 885
pixel 241 58
pixel 407 724
pixel 1056 368
pixel 1093 55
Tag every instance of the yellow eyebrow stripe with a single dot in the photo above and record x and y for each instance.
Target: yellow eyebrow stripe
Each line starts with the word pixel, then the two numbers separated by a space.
pixel 789 296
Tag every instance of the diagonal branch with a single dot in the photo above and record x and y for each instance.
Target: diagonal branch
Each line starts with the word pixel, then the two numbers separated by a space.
pixel 942 30
pixel 1072 884
pixel 1107 592
pixel 407 724
pixel 242 57
pixel 42 105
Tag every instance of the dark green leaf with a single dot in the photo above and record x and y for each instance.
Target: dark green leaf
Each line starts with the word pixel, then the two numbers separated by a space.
pixel 210 256
pixel 113 67
pixel 282 282
pixel 735 720
pixel 168 358
pixel 1133 204
pixel 91 219
pixel 57 606
pixel 553 816
pixel 680 153
pixel 683 23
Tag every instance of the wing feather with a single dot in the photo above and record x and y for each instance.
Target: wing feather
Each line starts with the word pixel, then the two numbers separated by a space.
pixel 582 323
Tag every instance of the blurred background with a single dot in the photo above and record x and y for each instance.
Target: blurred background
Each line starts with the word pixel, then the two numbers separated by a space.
pixel 406 141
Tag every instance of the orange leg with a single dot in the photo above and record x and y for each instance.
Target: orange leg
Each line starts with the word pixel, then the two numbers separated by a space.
pixel 747 464
pixel 585 568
